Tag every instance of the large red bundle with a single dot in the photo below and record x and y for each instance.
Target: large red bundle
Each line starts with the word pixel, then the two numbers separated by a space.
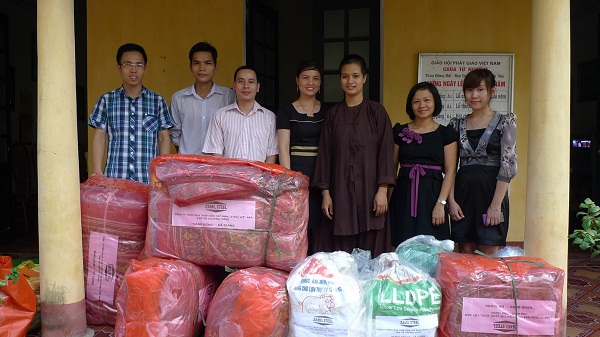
pixel 250 302
pixel 114 217
pixel 478 296
pixel 17 301
pixel 164 298
pixel 227 212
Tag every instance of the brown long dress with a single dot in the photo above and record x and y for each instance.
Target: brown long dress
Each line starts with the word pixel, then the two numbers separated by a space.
pixel 355 157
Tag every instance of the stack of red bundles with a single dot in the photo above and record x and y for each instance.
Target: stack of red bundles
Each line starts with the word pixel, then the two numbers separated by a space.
pixel 482 296
pixel 227 212
pixel 114 217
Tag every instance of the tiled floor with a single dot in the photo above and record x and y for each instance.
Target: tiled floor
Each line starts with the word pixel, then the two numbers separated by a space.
pixel 583 295
pixel 583 306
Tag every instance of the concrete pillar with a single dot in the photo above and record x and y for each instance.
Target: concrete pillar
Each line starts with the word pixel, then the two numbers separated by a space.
pixel 546 215
pixel 59 213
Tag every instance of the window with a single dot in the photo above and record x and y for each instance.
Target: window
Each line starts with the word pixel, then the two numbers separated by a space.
pixel 347 27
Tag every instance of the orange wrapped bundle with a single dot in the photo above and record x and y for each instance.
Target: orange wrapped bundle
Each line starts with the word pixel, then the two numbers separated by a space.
pixel 481 296
pixel 227 212
pixel 164 298
pixel 17 302
pixel 250 302
pixel 114 217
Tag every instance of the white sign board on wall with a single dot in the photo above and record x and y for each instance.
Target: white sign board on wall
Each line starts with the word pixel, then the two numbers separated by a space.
pixel 447 72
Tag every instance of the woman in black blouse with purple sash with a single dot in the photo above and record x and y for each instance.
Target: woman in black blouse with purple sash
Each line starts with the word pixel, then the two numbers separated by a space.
pixel 426 153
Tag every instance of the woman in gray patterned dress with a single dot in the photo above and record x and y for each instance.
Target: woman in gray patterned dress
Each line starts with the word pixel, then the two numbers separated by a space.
pixel 478 201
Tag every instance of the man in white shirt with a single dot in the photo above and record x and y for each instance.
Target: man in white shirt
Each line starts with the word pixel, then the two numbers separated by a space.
pixel 244 129
pixel 192 108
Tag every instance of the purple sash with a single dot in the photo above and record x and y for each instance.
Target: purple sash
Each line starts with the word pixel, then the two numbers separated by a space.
pixel 415 175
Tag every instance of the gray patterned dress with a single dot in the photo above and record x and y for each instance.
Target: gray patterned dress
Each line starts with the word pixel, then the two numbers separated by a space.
pixel 485 156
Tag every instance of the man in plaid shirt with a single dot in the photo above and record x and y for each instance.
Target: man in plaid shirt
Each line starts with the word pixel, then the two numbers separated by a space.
pixel 135 120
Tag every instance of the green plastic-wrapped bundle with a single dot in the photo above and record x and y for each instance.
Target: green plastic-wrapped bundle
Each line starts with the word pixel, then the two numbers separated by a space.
pixel 422 251
pixel 401 299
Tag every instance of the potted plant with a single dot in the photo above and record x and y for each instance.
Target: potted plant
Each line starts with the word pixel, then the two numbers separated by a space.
pixel 588 238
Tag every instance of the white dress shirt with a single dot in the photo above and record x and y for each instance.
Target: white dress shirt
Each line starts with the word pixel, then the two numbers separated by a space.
pixel 192 114
pixel 251 136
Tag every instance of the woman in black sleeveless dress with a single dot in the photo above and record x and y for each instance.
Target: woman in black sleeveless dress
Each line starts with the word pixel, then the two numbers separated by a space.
pixel 298 131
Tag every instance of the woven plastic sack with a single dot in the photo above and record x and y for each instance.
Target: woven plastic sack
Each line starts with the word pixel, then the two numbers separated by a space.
pixel 227 212
pixel 114 217
pixel 401 299
pixel 161 298
pixel 481 296
pixel 250 302
pixel 326 297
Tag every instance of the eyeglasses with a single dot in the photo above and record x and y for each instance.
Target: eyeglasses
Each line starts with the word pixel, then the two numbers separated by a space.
pixel 133 65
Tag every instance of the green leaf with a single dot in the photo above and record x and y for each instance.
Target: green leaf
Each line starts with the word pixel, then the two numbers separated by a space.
pixel 586 223
pixel 588 237
pixel 595 254
pixel 14 274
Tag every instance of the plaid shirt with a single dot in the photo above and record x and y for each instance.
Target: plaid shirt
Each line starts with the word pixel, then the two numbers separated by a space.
pixel 132 125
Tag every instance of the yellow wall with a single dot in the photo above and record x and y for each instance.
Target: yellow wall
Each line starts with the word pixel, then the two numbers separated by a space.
pixel 167 30
pixel 433 26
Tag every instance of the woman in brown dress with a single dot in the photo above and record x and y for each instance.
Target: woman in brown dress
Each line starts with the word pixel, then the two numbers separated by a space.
pixel 355 168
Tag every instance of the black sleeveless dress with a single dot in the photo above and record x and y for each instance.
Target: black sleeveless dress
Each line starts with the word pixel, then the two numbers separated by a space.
pixel 305 132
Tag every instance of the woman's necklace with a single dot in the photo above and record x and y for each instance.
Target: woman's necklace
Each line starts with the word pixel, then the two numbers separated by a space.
pixel 312 112
pixel 481 120
pixel 423 129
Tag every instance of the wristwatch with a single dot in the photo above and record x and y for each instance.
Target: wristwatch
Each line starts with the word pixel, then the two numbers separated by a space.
pixel 443 202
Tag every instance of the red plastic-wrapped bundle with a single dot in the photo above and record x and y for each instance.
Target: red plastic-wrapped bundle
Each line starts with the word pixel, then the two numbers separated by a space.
pixel 227 212
pixel 478 296
pixel 17 301
pixel 162 297
pixel 114 217
pixel 250 302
